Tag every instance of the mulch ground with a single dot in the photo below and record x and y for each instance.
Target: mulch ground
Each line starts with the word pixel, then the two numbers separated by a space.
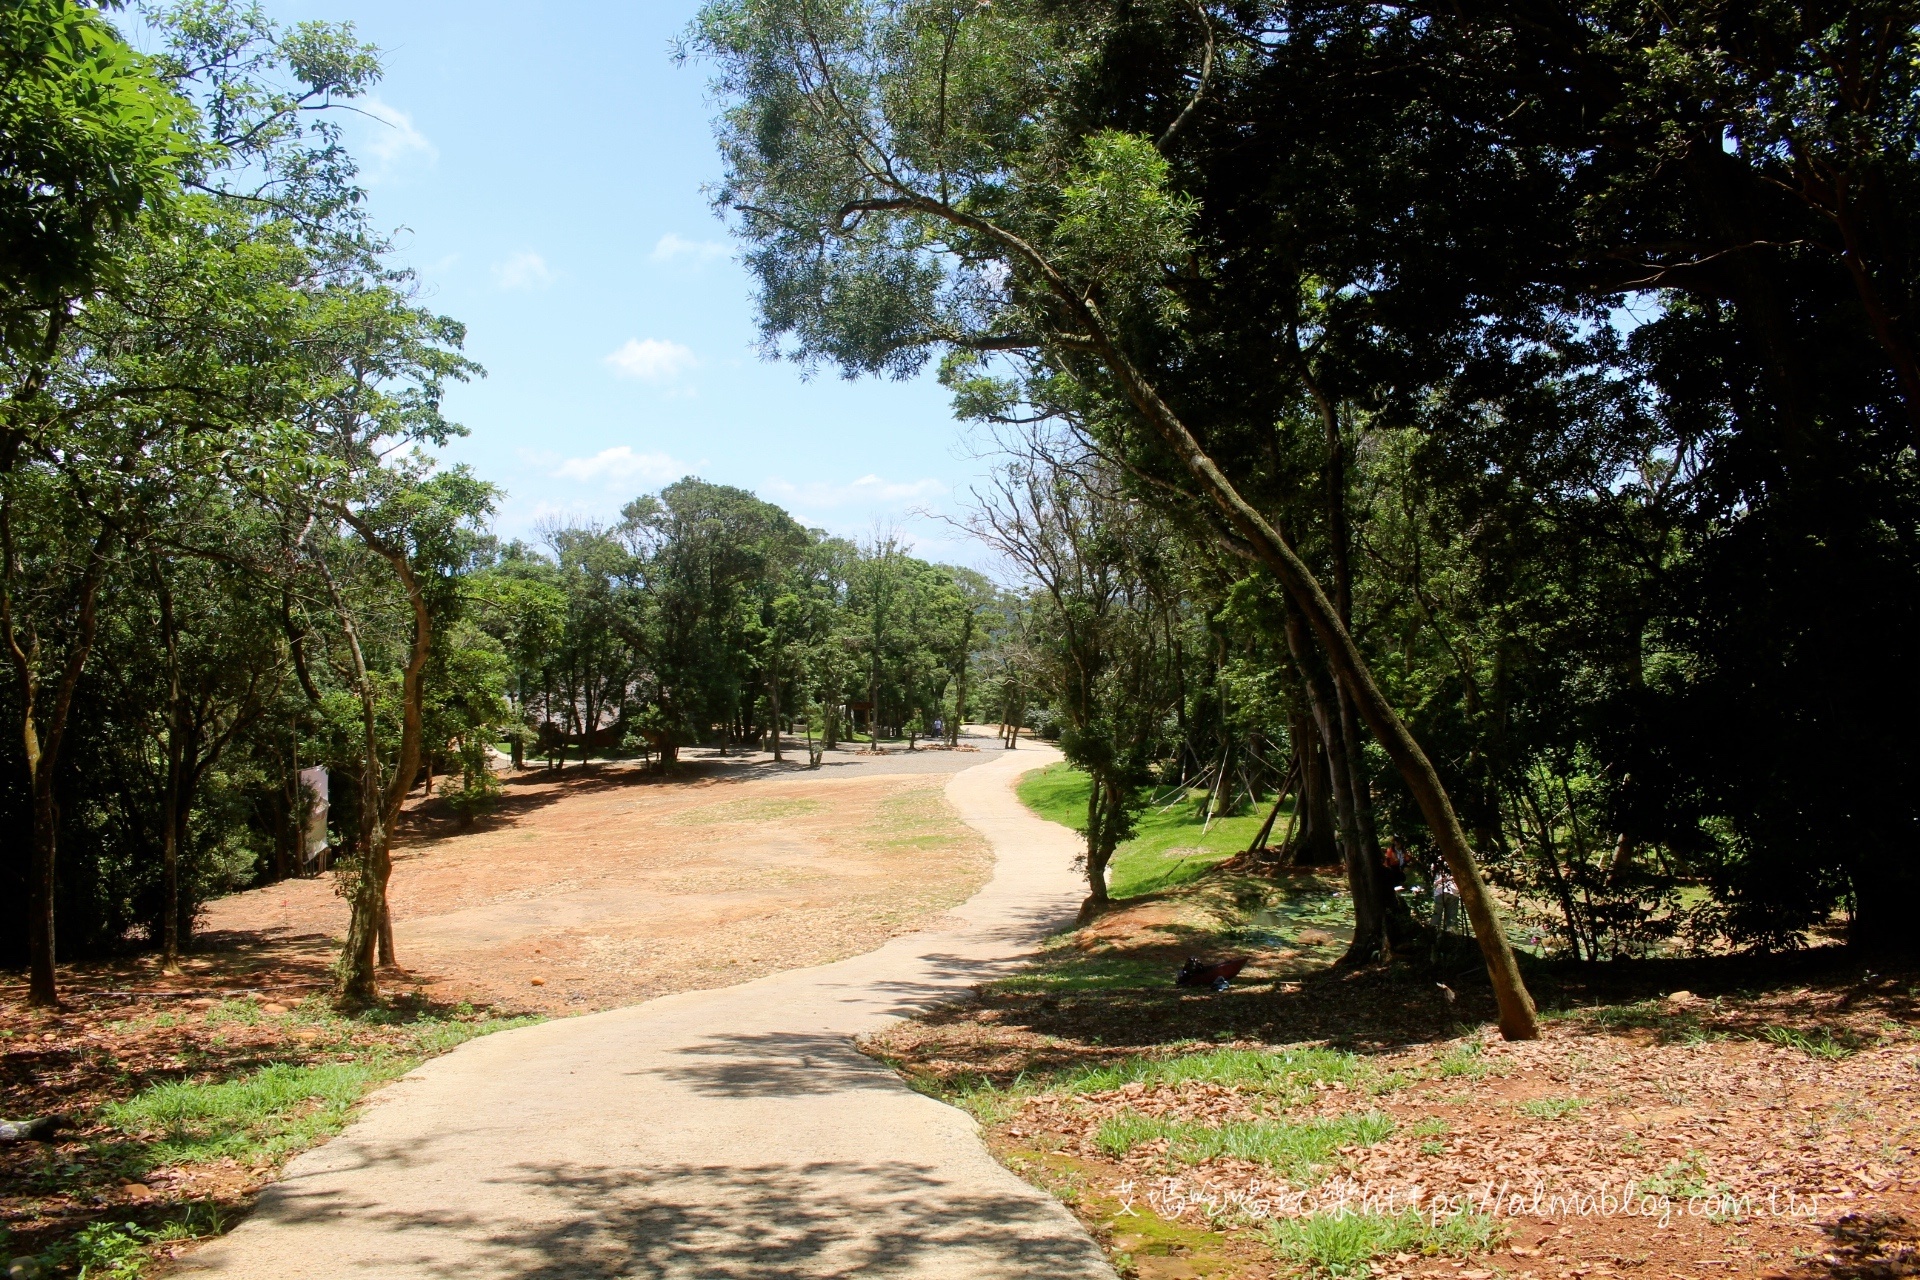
pixel 1691 1118
pixel 126 1026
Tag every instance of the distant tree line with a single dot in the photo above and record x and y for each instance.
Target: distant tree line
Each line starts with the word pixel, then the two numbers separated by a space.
pixel 706 616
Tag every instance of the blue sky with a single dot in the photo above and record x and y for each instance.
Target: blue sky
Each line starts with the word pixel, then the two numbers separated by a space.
pixel 543 166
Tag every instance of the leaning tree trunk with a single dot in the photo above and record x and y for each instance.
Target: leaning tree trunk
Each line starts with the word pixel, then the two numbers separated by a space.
pixel 1258 538
pixel 1369 922
pixel 1287 785
pixel 1251 534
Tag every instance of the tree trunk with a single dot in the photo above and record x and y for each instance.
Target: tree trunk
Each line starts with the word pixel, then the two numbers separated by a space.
pixel 369 927
pixel 1280 798
pixel 1252 535
pixel 41 751
pixel 42 989
pixel 773 703
pixel 1315 844
pixel 170 805
pixel 1369 921
pixel 959 705
pixel 1102 821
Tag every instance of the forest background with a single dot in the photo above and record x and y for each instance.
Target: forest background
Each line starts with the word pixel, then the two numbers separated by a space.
pixel 1495 432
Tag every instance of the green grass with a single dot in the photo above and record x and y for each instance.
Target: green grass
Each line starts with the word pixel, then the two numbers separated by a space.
pixel 1297 1150
pixel 282 1107
pixel 1344 1244
pixel 1465 1063
pixel 276 1109
pixel 1824 1044
pixel 1551 1108
pixel 977 1095
pixel 1289 1074
pixel 1143 865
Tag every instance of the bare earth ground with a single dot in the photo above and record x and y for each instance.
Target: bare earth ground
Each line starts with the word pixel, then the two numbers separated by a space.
pixel 587 890
pixel 606 886
pixel 1689 1119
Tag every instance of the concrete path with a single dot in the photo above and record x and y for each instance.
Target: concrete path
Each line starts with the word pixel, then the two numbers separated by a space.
pixel 728 1133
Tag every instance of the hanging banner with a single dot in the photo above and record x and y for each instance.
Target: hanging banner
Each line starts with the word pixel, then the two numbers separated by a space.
pixel 313 831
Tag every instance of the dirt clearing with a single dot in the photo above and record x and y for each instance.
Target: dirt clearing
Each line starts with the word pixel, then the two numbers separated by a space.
pixel 588 889
pixel 609 886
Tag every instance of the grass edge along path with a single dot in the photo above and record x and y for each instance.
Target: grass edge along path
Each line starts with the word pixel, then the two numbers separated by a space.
pixel 1170 844
pixel 1338 1244
pixel 247 1119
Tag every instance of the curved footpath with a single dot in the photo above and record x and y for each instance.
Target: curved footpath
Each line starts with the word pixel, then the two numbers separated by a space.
pixel 725 1133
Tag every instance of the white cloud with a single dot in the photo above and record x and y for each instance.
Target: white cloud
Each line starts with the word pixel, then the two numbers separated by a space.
pixel 675 248
pixel 652 360
pixel 621 463
pixel 523 271
pixel 393 140
pixel 867 491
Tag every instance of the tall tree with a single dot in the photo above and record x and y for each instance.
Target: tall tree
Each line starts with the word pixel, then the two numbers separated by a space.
pixel 930 163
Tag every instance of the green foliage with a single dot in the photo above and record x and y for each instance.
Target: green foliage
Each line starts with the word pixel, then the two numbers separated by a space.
pixel 281 1107
pixel 1823 1043
pixel 1613 573
pixel 1297 1150
pixel 1171 843
pixel 1287 1075
pixel 1120 222
pixel 90 136
pixel 1344 1244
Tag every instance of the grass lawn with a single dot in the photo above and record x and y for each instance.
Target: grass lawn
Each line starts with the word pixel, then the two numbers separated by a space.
pixel 179 1110
pixel 1168 846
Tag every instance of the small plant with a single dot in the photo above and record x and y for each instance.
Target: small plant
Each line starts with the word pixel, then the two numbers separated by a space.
pixel 1466 1062
pixel 1345 1244
pixel 476 789
pixel 978 1096
pixel 1684 1179
pixel 108 1251
pixel 1551 1108
pixel 1824 1045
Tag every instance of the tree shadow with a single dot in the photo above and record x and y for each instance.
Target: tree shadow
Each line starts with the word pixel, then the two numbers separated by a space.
pixel 767 1221
pixel 774 1065
pixel 1865 1246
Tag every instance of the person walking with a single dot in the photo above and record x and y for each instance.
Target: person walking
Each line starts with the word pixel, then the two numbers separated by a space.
pixel 1446 901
